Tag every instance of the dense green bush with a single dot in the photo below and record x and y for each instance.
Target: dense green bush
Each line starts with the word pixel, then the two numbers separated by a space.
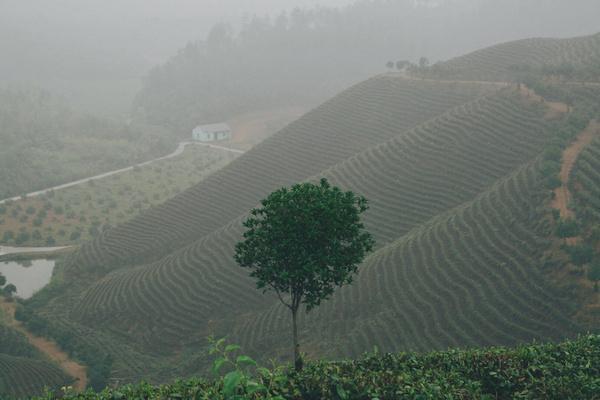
pixel 580 254
pixel 569 370
pixel 567 228
pixel 594 271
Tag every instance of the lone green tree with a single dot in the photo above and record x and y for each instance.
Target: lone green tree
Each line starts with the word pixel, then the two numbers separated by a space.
pixel 302 243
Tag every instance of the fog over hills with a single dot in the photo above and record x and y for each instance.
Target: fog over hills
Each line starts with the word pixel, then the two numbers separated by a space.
pixel 139 137
pixel 96 52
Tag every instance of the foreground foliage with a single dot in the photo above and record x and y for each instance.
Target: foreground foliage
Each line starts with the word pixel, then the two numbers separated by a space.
pixel 569 370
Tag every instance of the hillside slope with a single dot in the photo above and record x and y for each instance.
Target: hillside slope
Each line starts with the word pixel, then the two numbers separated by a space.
pixel 469 277
pixel 163 310
pixel 23 371
pixel 368 113
pixel 458 176
pixel 502 62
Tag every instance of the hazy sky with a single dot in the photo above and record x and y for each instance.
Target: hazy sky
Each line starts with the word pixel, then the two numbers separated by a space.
pixel 162 9
pixel 93 49
pixel 75 47
pixel 158 27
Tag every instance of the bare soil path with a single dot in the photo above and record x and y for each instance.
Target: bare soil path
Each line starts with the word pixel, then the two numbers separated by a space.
pixel 562 194
pixel 570 155
pixel 47 347
pixel 555 108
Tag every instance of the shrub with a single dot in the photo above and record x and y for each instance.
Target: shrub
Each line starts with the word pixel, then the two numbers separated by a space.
pixel 550 168
pixel 595 233
pixel 93 231
pixel 8 236
pixel 553 153
pixel 22 238
pixel 594 272
pixel 552 182
pixel 580 254
pixel 567 370
pixel 75 235
pixel 567 228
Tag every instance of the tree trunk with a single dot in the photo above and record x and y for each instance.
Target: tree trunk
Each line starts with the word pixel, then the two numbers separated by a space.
pixel 297 357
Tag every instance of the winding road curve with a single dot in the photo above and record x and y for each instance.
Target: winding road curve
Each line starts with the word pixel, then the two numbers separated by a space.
pixel 180 148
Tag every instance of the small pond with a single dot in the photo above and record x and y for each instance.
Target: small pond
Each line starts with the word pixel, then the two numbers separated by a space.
pixel 27 276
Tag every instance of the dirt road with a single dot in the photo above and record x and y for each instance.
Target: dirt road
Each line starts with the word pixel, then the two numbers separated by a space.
pixel 570 155
pixel 47 347
pixel 180 148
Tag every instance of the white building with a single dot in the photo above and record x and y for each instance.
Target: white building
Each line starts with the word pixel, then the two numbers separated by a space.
pixel 212 132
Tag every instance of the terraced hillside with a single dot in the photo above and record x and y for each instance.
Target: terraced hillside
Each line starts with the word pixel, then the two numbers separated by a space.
pixel 408 179
pixel 454 177
pixel 500 62
pixel 22 369
pixel 469 277
pixel 587 178
pixel 368 113
pixel 175 302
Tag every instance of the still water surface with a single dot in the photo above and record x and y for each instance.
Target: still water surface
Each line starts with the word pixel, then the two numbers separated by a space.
pixel 27 276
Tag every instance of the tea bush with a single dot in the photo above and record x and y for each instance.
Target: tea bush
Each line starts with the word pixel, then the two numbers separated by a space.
pixel 568 370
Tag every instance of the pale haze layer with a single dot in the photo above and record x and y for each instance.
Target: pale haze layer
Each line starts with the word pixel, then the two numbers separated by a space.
pixel 95 53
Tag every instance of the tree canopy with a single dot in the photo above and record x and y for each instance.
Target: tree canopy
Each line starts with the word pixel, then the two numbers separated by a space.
pixel 303 243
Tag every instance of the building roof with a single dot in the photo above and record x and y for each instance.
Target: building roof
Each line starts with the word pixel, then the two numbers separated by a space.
pixel 214 127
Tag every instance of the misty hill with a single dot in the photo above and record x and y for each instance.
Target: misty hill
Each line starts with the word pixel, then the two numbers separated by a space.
pixel 457 177
pixel 575 57
pixel 308 55
pixel 45 143
pixel 409 179
pixel 360 117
